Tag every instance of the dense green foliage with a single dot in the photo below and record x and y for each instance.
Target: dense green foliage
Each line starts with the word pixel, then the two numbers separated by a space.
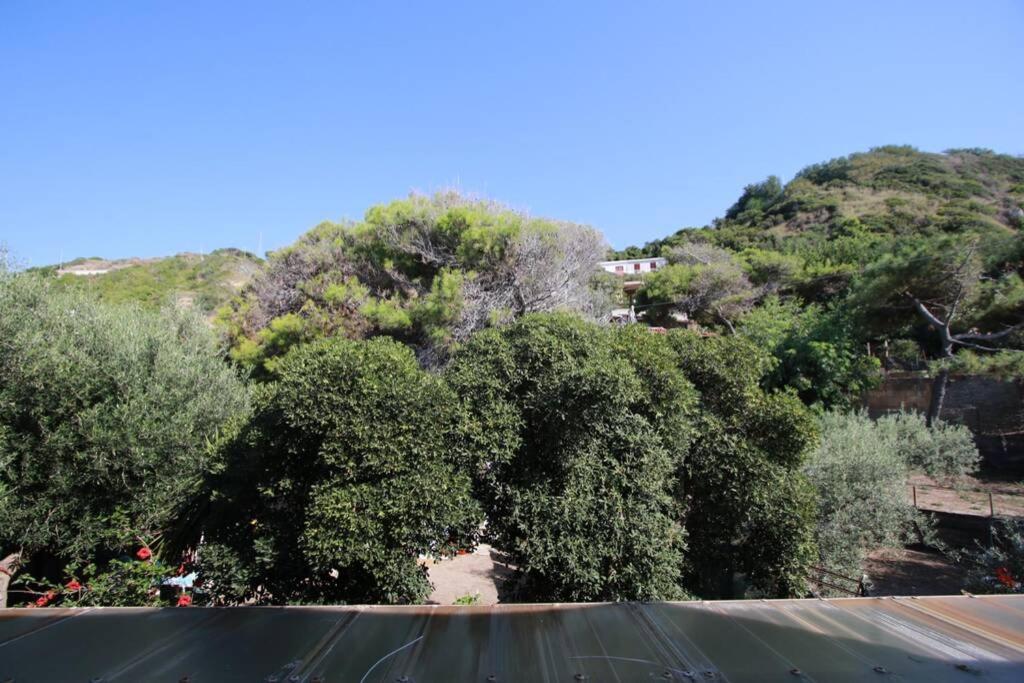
pixel 617 464
pixel 814 351
pixel 433 372
pixel 860 472
pixel 351 465
pixel 204 282
pixel 106 414
pixel 750 510
pixel 867 237
pixel 427 271
pixel 579 457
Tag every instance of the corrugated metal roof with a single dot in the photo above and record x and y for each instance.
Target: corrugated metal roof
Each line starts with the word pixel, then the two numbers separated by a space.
pixel 909 639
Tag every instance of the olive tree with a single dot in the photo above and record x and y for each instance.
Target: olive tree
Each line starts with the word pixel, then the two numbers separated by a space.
pixel 106 413
pixel 351 465
pixel 860 472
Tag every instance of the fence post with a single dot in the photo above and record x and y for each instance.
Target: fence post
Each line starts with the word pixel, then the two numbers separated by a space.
pixel 914 488
pixel 991 506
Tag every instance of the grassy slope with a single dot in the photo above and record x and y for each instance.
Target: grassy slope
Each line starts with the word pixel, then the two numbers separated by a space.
pixel 204 282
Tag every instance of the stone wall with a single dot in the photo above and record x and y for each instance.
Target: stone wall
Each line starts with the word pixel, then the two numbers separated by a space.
pixel 993 409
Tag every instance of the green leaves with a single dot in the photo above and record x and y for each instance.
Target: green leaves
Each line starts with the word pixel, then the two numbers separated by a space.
pixel 106 413
pixel 351 466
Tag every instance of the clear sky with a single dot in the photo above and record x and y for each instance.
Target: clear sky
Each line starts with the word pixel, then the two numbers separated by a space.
pixel 149 128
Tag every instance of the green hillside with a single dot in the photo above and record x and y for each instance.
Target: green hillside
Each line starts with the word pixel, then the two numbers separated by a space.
pixel 906 255
pixel 190 280
pixel 889 192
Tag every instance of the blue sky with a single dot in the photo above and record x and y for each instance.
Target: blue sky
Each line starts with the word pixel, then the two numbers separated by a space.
pixel 149 128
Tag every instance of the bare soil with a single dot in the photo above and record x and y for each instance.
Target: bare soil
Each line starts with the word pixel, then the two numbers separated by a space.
pixel 906 571
pixel 969 495
pixel 482 572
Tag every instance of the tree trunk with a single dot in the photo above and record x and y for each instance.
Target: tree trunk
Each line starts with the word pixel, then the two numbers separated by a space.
pixel 938 397
pixel 8 566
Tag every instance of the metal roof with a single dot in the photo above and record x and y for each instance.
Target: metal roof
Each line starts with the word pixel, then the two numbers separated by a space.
pixel 908 639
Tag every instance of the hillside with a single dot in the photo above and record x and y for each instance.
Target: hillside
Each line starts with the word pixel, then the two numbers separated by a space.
pixel 203 281
pixel 892 191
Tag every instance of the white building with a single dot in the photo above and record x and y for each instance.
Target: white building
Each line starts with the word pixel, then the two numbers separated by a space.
pixel 633 266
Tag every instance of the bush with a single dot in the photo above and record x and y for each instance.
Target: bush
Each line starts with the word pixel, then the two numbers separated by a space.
pixel 617 464
pixel 943 450
pixel 750 511
pixel 578 454
pixel 350 467
pixel 106 413
pixel 860 473
pixel 999 568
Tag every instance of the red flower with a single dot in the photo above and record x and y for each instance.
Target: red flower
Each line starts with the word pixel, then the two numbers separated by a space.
pixel 184 600
pixel 1004 577
pixel 43 601
pixel 144 553
pixel 73 585
pixel 181 570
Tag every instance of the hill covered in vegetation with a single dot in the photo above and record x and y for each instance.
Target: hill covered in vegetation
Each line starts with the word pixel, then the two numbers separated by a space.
pixel 910 254
pixel 202 281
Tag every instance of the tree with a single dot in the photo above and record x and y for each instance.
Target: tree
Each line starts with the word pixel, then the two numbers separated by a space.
pixel 816 351
pixel 860 471
pixel 106 412
pixel 750 510
pixel 579 434
pixel 616 464
pixel 704 282
pixel 941 282
pixel 350 466
pixel 428 271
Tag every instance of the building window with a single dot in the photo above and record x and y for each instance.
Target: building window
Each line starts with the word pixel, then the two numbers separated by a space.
pixel 654 265
pixel 619 269
pixel 636 267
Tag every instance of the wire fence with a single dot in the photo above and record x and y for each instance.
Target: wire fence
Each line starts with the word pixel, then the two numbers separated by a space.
pixel 966 500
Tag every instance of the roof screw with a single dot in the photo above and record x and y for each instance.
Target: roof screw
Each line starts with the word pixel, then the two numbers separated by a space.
pixel 667 674
pixel 709 674
pixel 317 679
pixel 580 677
pixel 184 679
pixel 796 672
pixel 492 677
pixel 293 678
pixel 881 670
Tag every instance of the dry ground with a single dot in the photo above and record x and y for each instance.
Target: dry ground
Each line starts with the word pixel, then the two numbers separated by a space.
pixel 478 573
pixel 970 495
pixel 905 571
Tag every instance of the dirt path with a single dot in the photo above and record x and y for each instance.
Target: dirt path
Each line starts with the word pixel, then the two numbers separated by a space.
pixel 902 571
pixel 478 573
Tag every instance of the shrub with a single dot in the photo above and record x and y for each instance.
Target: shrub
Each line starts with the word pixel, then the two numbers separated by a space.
pixel 860 473
pixel 106 412
pixel 350 467
pixel 943 450
pixel 578 456
pixel 999 568
pixel 750 511
pixel 617 464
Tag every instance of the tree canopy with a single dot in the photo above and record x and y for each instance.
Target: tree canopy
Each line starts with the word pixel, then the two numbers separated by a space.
pixel 351 465
pixel 106 415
